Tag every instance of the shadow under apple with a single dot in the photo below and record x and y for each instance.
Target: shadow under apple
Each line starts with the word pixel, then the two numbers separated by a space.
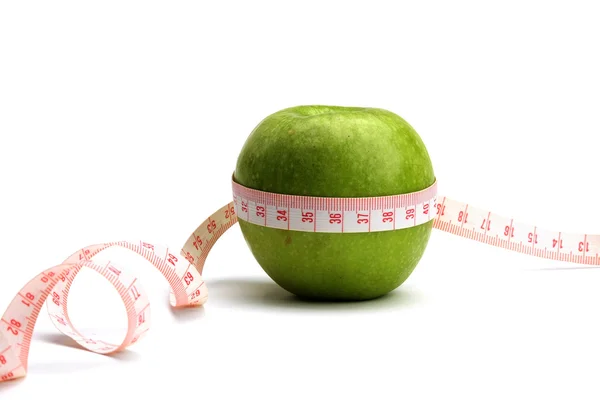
pixel 260 292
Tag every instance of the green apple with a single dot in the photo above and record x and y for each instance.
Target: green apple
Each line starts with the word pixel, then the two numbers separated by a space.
pixel 333 151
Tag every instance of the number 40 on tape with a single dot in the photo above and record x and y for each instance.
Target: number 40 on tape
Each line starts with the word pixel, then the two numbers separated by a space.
pixel 183 269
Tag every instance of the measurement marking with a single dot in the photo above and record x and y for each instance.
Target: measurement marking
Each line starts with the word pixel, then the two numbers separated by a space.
pixel 143 309
pixel 441 211
pixel 130 285
pixel 28 300
pixel 12 326
pixel 571 252
pixel 197 288
pixel 15 368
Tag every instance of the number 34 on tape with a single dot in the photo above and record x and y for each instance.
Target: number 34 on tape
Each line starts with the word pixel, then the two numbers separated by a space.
pixel 183 269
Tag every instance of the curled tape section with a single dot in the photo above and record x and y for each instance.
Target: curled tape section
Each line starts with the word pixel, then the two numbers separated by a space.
pixel 183 271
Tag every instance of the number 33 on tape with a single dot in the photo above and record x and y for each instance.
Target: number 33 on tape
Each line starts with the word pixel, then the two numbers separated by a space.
pixel 183 271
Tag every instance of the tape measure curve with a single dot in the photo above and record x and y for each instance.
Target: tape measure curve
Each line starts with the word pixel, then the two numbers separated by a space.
pixel 183 271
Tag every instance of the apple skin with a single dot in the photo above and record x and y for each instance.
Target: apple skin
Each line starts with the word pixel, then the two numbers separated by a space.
pixel 334 151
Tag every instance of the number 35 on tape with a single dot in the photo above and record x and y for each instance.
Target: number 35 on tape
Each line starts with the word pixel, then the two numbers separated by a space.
pixel 183 269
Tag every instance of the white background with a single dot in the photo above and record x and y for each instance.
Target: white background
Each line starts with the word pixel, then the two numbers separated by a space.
pixel 123 119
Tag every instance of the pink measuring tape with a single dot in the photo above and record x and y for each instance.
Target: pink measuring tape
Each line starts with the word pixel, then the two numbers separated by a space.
pixel 183 269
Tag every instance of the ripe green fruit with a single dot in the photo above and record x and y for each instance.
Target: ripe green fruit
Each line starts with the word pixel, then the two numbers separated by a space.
pixel 332 151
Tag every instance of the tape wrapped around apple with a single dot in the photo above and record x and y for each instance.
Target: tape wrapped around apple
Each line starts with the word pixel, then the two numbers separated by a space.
pixel 333 151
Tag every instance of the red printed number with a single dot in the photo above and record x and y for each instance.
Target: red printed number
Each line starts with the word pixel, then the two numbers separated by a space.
pixel 188 278
pixel 362 219
pixel 244 206
pixel 557 242
pixel 260 211
pixel 13 327
pixel 230 212
pixel 462 217
pixel 410 213
pixel 440 209
pixel 307 216
pixel 135 293
pixel 282 215
pixel 114 270
pixel 197 242
pixel 335 218
pixel 2 360
pixel 6 377
pixel 485 225
pixel 84 255
pixel 388 216
pixel 585 246
pixel 212 225
pixel 532 238
pixel 56 298
pixel 426 208
pixel 509 231
pixel 29 297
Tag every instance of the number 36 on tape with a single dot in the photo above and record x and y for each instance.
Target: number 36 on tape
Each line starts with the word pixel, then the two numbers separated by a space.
pixel 183 269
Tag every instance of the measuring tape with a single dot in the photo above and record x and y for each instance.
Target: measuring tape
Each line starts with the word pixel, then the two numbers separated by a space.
pixel 183 269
